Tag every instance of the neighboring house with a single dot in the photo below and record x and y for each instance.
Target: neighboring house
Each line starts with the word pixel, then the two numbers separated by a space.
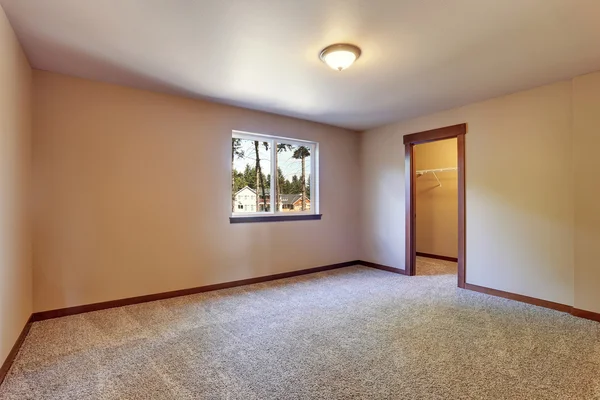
pixel 245 201
pixel 293 202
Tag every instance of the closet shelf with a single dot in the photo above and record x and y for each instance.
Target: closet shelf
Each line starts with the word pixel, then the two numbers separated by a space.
pixel 433 171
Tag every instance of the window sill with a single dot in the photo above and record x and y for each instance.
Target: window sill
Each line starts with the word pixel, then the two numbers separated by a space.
pixel 274 218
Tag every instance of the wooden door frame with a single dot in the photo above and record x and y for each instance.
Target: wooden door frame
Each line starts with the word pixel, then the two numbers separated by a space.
pixel 448 132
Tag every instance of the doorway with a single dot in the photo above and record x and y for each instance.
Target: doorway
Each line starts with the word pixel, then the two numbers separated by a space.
pixel 410 141
pixel 436 207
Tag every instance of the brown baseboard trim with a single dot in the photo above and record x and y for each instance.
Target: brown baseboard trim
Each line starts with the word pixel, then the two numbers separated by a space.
pixel 445 258
pixel 382 267
pixel 519 297
pixel 15 350
pixel 63 312
pixel 586 314
pixel 536 302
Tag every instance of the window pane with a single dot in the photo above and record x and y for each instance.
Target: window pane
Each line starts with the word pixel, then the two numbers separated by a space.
pixel 293 177
pixel 251 176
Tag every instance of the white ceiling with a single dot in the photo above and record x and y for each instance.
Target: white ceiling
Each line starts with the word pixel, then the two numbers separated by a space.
pixel 419 56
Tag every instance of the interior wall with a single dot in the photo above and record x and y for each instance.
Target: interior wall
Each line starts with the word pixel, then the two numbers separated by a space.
pixel 437 206
pixel 586 147
pixel 15 247
pixel 519 191
pixel 136 195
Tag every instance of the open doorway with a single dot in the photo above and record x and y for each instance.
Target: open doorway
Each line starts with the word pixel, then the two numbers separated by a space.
pixel 436 207
pixel 435 202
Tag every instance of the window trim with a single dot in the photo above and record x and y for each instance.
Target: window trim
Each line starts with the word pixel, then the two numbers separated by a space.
pixel 274 218
pixel 274 215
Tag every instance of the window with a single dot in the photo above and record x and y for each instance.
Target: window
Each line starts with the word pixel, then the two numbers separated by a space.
pixel 273 178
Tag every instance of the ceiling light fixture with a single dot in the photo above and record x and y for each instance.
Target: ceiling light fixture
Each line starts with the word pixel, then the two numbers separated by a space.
pixel 340 56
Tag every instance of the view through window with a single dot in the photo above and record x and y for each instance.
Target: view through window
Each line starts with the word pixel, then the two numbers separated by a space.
pixel 272 175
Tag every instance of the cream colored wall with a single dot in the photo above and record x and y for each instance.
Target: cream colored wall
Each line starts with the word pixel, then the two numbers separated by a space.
pixel 15 247
pixel 586 155
pixel 437 206
pixel 131 192
pixel 124 175
pixel 519 191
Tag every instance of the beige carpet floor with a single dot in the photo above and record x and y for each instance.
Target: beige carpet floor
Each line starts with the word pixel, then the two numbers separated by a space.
pixel 352 333
pixel 431 266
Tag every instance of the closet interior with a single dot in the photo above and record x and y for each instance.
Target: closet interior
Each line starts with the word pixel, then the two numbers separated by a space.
pixel 436 201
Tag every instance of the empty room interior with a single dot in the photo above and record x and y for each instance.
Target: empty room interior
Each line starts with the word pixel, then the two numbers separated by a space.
pixel 299 199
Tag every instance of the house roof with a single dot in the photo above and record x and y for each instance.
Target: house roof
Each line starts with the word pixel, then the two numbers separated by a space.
pixel 292 198
pixel 244 188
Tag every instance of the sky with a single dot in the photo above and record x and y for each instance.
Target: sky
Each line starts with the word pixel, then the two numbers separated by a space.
pixel 288 165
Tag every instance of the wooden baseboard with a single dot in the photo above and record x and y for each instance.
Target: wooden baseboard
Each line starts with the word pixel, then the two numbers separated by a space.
pixel 62 312
pixel 519 297
pixel 382 267
pixel 43 315
pixel 15 350
pixel 445 258
pixel 536 302
pixel 506 295
pixel 586 314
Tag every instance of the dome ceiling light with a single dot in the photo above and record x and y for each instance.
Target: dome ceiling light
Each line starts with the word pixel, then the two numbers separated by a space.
pixel 340 56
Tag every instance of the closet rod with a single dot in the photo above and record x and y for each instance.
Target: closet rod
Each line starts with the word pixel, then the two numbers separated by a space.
pixel 424 171
pixel 433 171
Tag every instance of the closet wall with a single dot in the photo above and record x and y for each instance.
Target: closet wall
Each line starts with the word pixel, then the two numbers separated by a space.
pixel 437 206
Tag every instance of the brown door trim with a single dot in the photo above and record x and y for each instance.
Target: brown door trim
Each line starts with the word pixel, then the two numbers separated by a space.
pixel 447 132
pixel 454 131
pixel 462 211
pixel 411 226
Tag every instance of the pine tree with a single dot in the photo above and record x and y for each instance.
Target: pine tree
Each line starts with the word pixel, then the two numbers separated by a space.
pixel 280 178
pixel 260 179
pixel 302 153
pixel 236 151
pixel 295 185
pixel 250 177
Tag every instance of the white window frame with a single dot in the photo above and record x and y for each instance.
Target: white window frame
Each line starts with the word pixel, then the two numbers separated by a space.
pixel 313 180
